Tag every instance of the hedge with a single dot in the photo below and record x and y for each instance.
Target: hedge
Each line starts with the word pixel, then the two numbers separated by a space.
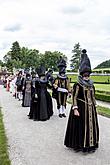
pixel 102 96
pixel 104 92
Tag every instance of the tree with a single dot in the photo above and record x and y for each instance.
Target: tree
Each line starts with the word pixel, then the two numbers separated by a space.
pixel 49 59
pixel 105 64
pixel 1 63
pixel 32 59
pixel 13 57
pixel 16 51
pixel 75 57
pixel 22 57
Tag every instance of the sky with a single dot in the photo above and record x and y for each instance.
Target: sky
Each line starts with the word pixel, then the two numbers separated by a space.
pixel 57 25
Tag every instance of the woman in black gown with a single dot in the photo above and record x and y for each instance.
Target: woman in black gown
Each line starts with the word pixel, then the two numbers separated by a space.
pixel 82 130
pixel 41 104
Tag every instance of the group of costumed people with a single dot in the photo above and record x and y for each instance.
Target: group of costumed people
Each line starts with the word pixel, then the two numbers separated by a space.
pixel 41 107
pixel 82 132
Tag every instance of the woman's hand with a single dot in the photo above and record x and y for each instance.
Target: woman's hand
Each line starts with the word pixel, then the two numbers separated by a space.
pixel 55 86
pixel 76 113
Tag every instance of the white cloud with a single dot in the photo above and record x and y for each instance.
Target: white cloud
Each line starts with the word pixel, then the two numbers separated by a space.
pixel 57 25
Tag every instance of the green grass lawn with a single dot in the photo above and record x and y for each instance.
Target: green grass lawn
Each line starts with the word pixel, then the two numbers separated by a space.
pixel 97 79
pixel 101 79
pixel 4 157
pixel 102 87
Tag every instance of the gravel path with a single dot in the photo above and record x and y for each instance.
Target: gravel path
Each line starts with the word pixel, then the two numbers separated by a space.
pixel 41 143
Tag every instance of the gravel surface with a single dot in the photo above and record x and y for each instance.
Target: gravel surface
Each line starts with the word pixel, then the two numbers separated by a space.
pixel 41 143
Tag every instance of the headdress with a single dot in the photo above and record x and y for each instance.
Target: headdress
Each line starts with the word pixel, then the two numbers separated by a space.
pixel 84 65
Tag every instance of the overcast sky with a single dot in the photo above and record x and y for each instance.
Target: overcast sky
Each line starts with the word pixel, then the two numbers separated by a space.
pixel 57 25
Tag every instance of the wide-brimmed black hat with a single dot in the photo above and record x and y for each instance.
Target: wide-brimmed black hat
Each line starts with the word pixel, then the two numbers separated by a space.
pixel 85 65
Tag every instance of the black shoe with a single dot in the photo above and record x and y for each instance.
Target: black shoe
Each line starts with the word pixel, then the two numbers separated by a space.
pixel 84 150
pixel 60 115
pixel 91 150
pixel 63 115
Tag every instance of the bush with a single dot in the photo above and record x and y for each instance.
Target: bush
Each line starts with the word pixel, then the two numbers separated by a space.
pixel 104 92
pixel 102 96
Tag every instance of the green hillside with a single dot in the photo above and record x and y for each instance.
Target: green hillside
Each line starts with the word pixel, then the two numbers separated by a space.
pixel 105 64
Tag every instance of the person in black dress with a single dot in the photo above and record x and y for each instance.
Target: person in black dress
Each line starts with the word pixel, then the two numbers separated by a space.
pixel 41 104
pixel 82 131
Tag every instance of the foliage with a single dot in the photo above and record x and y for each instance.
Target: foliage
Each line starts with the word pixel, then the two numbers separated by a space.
pixel 16 51
pixel 75 57
pixel 1 63
pixel 30 58
pixel 103 91
pixel 105 64
pixel 49 59
pixel 102 96
pixel 4 157
pixel 22 57
pixel 13 57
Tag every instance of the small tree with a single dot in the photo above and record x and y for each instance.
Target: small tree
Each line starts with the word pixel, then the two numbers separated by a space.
pixel 75 57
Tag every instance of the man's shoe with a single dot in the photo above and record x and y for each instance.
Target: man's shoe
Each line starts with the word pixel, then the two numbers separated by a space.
pixel 60 115
pixel 63 115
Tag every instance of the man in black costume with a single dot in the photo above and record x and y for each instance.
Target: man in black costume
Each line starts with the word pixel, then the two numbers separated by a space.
pixel 61 88
pixel 82 129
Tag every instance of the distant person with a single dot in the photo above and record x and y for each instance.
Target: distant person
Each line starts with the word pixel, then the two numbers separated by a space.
pixel 82 132
pixel 27 85
pixel 1 81
pixel 19 85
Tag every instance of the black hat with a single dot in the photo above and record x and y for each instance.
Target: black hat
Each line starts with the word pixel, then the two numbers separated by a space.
pixel 84 65
pixel 26 70
pixel 28 74
pixel 20 72
pixel 41 71
pixel 62 65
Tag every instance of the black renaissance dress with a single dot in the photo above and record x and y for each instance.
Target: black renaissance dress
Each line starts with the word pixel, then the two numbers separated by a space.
pixel 83 131
pixel 41 104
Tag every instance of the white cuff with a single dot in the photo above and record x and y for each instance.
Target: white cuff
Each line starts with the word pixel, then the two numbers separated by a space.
pixel 75 107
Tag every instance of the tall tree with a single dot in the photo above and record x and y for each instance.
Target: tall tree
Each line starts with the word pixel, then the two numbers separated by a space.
pixel 75 57
pixel 13 57
pixel 1 63
pixel 16 51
